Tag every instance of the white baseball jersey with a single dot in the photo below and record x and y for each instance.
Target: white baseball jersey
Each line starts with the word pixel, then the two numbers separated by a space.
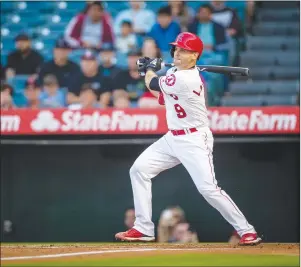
pixel 184 98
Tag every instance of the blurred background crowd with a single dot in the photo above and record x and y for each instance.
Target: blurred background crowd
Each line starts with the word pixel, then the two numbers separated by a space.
pixel 83 54
pixel 173 227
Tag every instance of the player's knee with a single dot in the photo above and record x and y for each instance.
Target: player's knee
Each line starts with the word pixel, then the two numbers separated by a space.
pixel 136 168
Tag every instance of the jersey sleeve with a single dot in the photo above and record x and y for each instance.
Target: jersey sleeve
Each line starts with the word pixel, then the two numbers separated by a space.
pixel 173 83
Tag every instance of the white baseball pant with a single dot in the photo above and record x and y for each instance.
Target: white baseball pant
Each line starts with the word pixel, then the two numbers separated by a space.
pixel 194 151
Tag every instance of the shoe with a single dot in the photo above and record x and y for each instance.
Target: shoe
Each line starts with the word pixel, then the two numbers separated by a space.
pixel 133 235
pixel 250 239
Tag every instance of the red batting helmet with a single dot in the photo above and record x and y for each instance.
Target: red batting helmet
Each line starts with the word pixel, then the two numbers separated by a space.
pixel 188 41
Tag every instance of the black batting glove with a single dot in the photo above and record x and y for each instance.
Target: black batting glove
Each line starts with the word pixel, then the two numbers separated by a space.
pixel 142 63
pixel 154 64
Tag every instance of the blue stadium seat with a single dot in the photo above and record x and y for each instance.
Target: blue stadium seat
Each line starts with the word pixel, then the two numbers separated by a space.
pixel 155 5
pixel 7 7
pixel 47 54
pixel 56 27
pixel 19 99
pixel 18 82
pixel 15 27
pixel 4 54
pixel 71 5
pixel 8 43
pixel 40 44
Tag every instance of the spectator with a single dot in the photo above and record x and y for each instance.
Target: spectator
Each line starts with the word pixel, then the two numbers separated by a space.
pixel 211 33
pixel 227 17
pixel 141 18
pixel 108 69
pixel 52 96
pixel 150 48
pixel 7 97
pixel 165 30
pixel 129 85
pixel 181 13
pixel 87 98
pixel 90 30
pixel 89 73
pixel 126 40
pixel 32 94
pixel 169 218
pixel 25 60
pixel 60 65
pixel 129 218
pixel 234 238
pixel 183 233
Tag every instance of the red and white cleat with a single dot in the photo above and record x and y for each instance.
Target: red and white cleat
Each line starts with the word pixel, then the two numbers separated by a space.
pixel 134 235
pixel 250 239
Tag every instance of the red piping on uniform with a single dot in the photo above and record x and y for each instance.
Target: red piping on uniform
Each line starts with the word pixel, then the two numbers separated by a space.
pixel 220 190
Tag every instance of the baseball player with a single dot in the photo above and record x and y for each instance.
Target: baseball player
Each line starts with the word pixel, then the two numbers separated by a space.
pixel 189 141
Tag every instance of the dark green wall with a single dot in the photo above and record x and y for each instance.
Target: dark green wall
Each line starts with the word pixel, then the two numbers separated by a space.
pixel 78 193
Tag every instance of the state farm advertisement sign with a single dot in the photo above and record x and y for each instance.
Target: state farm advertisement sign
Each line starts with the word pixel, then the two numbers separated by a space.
pixel 223 120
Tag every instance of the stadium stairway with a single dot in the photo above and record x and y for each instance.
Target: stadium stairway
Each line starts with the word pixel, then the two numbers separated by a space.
pixel 272 55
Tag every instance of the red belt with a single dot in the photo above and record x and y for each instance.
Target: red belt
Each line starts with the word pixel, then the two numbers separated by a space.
pixel 183 132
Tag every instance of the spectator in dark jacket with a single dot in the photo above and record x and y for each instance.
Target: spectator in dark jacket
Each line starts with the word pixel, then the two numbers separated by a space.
pixel 60 66
pixel 212 34
pixel 25 60
pixel 227 17
pixel 90 30
pixel 165 30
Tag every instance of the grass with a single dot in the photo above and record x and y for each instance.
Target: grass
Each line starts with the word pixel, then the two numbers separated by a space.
pixel 174 260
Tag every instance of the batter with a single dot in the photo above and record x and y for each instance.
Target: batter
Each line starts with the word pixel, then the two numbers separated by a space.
pixel 189 141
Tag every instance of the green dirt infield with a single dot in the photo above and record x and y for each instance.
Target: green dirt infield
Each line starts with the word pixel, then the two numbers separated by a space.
pixel 150 254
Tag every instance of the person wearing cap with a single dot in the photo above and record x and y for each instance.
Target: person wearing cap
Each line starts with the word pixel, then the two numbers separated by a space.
pixel 24 60
pixel 90 29
pixel 6 96
pixel 52 96
pixel 32 93
pixel 89 73
pixel 60 66
pixel 87 98
pixel 129 86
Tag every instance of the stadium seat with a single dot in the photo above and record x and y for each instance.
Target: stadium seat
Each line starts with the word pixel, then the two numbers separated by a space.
pixel 274 28
pixel 241 101
pixel 4 54
pixel 7 44
pixel 283 100
pixel 7 7
pixel 19 99
pixel 266 73
pixel 273 42
pixel 15 27
pixel 18 82
pixel 264 87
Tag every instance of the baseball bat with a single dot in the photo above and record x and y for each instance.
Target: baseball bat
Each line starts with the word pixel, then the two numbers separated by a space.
pixel 220 69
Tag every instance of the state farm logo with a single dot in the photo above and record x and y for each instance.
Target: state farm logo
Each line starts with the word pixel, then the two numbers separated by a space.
pixel 78 121
pixel 45 121
pixel 257 120
pixel 10 123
